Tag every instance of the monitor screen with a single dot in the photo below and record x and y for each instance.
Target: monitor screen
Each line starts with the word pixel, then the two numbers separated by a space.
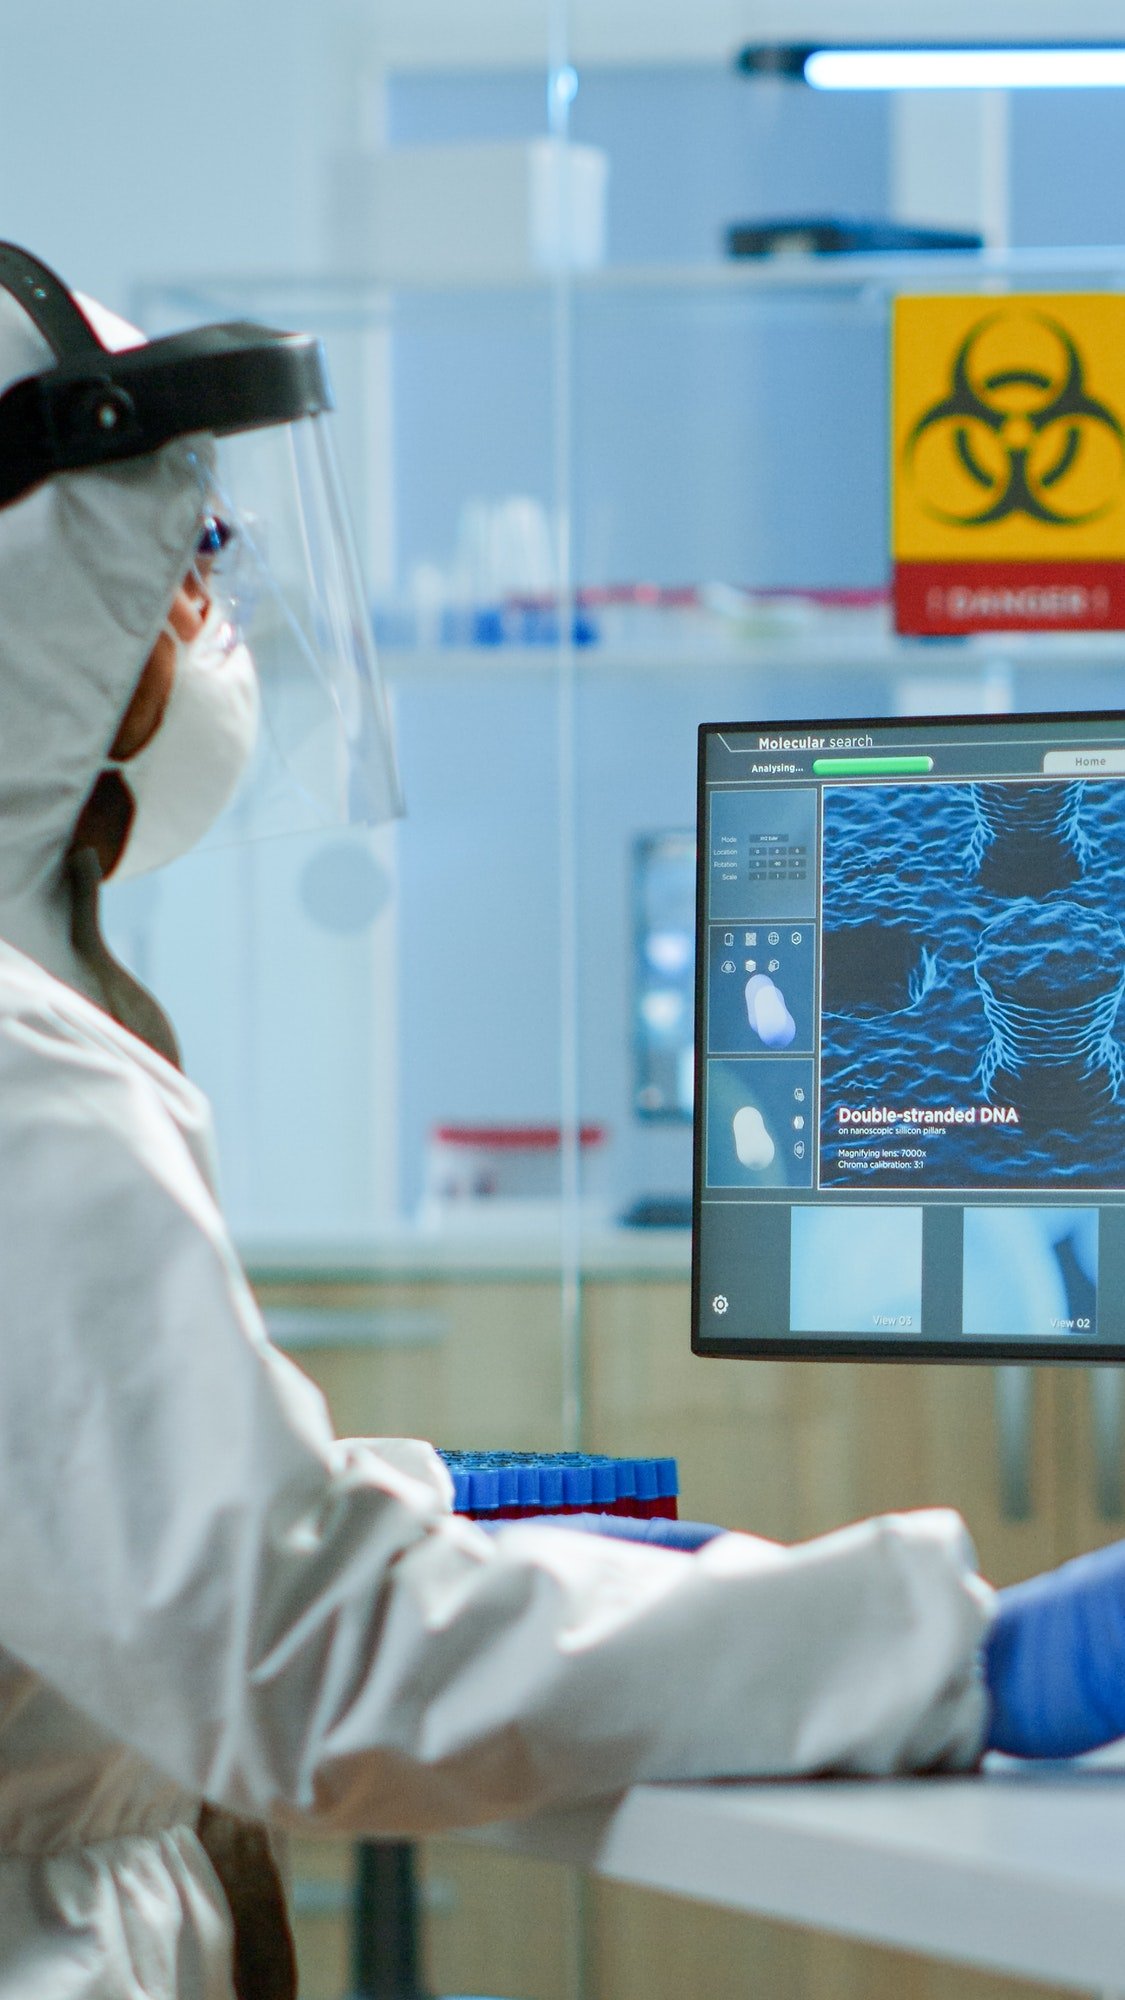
pixel 910 1039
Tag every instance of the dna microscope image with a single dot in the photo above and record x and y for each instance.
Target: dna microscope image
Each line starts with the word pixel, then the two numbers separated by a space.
pixel 973 974
pixel 1051 976
pixel 1027 833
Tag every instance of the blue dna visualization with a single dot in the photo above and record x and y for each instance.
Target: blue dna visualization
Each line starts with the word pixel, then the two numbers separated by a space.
pixel 1051 976
pixel 1027 833
pixel 974 957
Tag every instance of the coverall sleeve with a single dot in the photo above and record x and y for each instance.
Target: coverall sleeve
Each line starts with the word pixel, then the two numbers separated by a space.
pixel 297 1629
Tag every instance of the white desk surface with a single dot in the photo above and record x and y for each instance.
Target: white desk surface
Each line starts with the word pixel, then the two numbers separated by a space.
pixel 1021 1870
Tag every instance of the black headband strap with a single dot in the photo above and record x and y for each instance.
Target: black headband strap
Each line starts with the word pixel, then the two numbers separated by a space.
pixel 47 302
pixel 96 407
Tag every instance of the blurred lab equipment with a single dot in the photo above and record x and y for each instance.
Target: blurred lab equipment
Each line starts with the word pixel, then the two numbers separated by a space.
pixel 838 235
pixel 479 213
pixel 510 1174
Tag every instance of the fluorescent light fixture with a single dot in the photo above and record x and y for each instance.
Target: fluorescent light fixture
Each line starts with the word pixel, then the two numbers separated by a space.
pixel 941 66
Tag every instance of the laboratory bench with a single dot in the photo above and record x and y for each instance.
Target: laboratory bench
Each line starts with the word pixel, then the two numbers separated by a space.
pixel 1001 1886
pixel 1020 1870
pixel 461 1341
pixel 473 1250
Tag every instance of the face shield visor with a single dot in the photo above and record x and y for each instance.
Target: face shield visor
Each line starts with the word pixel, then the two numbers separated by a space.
pixel 276 553
pixel 277 560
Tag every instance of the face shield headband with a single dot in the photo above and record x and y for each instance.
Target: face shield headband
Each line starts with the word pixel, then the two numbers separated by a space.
pixel 95 408
pixel 325 754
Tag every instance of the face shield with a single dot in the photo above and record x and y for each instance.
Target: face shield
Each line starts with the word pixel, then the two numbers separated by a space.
pixel 276 554
pixel 277 559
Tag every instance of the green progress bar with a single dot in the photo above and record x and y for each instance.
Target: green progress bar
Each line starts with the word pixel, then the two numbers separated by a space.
pixel 871 767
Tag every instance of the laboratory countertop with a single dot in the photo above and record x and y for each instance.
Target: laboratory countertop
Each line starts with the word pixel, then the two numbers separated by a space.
pixel 1020 1870
pixel 490 1250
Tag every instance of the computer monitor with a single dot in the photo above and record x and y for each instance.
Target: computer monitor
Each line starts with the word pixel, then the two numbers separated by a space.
pixel 910 1039
pixel 663 885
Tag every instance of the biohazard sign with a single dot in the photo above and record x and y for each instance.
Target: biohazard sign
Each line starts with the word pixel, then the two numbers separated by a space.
pixel 1008 467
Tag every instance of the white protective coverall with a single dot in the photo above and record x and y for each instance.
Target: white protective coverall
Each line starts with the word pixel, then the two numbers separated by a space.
pixel 204 1593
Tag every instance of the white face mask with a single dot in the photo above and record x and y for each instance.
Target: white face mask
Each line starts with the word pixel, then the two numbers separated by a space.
pixel 188 771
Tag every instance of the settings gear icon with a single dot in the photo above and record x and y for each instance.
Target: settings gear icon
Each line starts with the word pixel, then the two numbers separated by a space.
pixel 719 1303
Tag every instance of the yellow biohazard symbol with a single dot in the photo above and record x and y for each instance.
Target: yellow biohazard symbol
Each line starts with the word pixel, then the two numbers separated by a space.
pixel 1017 436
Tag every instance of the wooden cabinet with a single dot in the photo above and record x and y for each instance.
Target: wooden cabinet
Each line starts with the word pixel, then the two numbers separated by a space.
pixel 641 1943
pixel 467 1362
pixel 497 1925
pixel 1092 1484
pixel 790 1449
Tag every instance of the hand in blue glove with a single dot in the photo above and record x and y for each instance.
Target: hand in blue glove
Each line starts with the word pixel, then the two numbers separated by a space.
pixel 1055 1659
pixel 686 1535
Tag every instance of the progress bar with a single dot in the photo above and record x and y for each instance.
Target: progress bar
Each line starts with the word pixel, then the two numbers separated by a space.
pixel 871 767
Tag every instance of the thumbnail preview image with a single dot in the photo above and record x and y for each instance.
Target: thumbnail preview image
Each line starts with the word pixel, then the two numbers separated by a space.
pixel 973 973
pixel 760 987
pixel 760 1131
pixel 856 1270
pixel 1030 1273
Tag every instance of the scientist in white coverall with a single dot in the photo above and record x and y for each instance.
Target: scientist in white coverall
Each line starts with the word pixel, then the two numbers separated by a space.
pixel 207 1600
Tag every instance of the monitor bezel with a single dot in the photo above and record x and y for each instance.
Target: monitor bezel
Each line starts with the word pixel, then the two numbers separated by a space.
pixel 1032 1350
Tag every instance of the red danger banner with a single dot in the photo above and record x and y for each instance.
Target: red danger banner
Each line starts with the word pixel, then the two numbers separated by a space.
pixel 947 598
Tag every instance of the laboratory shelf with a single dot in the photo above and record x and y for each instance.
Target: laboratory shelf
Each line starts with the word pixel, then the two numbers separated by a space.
pixel 1100 267
pixel 828 650
pixel 340 299
pixel 907 271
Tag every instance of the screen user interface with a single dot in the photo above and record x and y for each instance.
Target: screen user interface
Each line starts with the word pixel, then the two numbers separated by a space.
pixel 910 1038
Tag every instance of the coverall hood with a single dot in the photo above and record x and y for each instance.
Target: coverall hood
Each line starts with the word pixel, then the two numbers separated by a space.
pixel 89 564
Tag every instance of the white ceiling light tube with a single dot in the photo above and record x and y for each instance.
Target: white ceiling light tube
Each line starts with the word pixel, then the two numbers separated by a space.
pixel 950 68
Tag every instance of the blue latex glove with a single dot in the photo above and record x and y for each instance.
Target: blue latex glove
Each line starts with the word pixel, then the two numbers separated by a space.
pixel 1055 1659
pixel 686 1535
